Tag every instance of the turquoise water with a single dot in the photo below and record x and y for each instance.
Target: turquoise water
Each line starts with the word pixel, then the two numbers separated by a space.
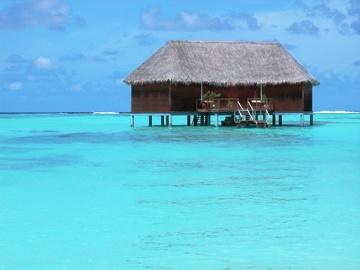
pixel 89 192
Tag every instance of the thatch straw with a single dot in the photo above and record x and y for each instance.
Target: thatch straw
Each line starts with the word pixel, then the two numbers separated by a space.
pixel 221 64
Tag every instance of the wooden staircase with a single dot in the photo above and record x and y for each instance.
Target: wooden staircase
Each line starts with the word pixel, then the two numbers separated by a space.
pixel 247 117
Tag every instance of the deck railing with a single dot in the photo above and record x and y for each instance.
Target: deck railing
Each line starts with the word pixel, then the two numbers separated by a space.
pixel 217 105
pixel 233 104
pixel 261 104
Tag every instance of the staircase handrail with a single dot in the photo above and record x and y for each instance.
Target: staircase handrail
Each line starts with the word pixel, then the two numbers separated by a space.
pixel 268 114
pixel 250 114
pixel 250 106
pixel 239 104
pixel 240 108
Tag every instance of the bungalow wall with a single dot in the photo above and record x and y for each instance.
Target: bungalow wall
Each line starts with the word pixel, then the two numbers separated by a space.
pixel 182 98
pixel 308 97
pixel 150 98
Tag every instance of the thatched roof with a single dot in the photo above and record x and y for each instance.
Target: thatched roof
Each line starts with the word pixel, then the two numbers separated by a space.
pixel 222 64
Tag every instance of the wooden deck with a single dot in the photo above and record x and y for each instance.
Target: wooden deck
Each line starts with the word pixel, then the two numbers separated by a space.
pixel 248 123
pixel 233 104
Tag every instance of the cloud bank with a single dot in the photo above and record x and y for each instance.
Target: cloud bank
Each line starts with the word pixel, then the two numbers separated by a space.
pixel 54 14
pixel 153 19
pixel 345 17
pixel 305 27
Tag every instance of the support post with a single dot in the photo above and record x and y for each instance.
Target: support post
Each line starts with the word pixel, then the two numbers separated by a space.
pixel 274 119
pixel 188 120
pixel 311 119
pixel 150 120
pixel 132 120
pixel 216 119
pixel 208 120
pixel 169 120
pixel 162 120
pixel 302 120
pixel 280 120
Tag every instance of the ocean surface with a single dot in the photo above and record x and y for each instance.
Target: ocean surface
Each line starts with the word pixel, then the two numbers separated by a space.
pixel 87 191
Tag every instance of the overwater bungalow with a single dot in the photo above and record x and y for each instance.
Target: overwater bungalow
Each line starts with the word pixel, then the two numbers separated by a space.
pixel 249 83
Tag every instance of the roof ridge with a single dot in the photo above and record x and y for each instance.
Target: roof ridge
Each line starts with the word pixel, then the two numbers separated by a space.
pixel 222 41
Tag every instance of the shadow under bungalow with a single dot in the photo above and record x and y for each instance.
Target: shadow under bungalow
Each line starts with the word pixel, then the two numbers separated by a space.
pixel 244 83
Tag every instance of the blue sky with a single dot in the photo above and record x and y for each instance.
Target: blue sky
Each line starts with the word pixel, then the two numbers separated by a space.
pixel 59 55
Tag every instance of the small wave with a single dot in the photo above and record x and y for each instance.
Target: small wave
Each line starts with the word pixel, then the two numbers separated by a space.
pixel 337 112
pixel 105 113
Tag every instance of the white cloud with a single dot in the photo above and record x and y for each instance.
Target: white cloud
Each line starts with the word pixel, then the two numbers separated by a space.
pixel 189 19
pixel 15 85
pixel 153 19
pixel 149 18
pixel 44 63
pixel 55 14
pixel 120 82
pixel 76 87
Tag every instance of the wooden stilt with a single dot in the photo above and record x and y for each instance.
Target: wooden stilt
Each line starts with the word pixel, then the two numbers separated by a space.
pixel 169 120
pixel 188 120
pixel 132 118
pixel 280 120
pixel 311 119
pixel 162 120
pixel 301 120
pixel 216 119
pixel 274 119
pixel 150 120
pixel 208 120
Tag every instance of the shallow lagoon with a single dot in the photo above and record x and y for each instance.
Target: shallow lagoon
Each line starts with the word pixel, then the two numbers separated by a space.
pixel 89 192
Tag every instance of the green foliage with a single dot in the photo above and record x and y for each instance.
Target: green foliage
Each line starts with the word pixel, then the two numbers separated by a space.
pixel 211 95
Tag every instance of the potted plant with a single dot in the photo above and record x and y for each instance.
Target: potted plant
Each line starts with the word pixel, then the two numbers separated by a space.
pixel 211 98
pixel 263 98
